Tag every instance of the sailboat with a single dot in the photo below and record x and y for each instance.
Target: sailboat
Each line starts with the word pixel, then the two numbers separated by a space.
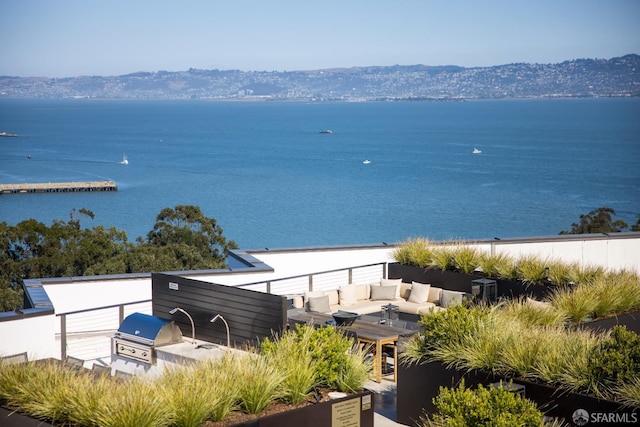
pixel 476 151
pixel 366 162
pixel 124 161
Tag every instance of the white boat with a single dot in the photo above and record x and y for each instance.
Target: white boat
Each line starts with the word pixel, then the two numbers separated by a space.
pixel 124 161
pixel 476 151
pixel 366 162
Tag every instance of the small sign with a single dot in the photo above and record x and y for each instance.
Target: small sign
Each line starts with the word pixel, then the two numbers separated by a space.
pixel 366 402
pixel 173 286
pixel 346 413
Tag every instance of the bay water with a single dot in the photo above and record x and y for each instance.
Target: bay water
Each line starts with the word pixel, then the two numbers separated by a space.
pixel 271 178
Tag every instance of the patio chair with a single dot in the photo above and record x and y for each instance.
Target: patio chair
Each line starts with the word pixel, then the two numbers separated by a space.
pixel 15 358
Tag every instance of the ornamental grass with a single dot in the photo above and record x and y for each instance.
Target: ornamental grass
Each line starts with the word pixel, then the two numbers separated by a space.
pixel 190 395
pixel 495 340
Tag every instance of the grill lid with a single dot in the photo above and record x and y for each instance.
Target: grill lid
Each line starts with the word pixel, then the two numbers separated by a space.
pixel 150 329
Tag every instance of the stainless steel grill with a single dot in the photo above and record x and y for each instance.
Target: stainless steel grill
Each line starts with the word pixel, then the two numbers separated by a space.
pixel 139 334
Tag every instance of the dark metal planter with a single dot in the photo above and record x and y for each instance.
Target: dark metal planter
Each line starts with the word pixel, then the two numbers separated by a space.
pixel 418 385
pixel 457 281
pixel 8 418
pixel 354 409
pixel 630 320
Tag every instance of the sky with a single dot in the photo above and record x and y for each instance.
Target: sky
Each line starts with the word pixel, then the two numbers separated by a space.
pixel 68 38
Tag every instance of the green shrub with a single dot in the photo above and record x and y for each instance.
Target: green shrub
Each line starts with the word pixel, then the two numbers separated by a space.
pixel 329 348
pixel 617 358
pixel 492 406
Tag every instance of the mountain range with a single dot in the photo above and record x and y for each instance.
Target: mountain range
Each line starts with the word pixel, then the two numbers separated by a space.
pixel 615 77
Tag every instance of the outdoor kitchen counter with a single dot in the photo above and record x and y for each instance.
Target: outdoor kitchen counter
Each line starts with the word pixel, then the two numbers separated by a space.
pixel 185 352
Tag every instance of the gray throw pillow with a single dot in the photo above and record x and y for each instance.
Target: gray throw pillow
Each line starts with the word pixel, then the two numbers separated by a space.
pixel 449 298
pixel 383 293
pixel 319 304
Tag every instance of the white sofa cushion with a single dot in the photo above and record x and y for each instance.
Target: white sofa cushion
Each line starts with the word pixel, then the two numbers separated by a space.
pixel 348 295
pixel 419 293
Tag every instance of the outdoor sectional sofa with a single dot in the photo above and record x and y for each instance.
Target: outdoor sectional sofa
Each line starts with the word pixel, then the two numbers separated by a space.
pixel 411 298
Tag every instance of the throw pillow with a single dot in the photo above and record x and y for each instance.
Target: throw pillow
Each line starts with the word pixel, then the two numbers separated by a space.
pixel 362 292
pixel 319 304
pixel 312 294
pixel 419 293
pixel 347 295
pixel 434 295
pixel 392 282
pixel 450 298
pixel 383 293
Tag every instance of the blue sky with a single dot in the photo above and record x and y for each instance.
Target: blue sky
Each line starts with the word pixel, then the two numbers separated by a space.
pixel 112 37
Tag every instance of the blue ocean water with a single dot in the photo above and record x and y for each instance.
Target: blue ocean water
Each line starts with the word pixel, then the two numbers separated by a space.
pixel 271 179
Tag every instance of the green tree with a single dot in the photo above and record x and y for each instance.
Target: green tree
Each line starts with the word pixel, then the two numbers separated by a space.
pixel 597 221
pixel 636 226
pixel 182 239
pixel 194 239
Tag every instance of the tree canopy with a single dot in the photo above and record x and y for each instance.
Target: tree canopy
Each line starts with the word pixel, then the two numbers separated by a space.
pixel 182 239
pixel 600 221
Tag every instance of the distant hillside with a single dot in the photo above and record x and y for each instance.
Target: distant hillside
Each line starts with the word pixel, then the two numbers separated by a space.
pixel 616 77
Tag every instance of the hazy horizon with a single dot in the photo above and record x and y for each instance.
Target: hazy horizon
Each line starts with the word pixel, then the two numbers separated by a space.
pixel 315 69
pixel 41 38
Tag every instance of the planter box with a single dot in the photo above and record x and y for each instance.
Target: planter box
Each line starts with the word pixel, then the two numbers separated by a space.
pixel 457 281
pixel 418 385
pixel 352 410
pixel 8 418
pixel 630 320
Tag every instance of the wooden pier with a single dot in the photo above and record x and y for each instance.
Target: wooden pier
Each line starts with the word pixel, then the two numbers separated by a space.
pixel 58 187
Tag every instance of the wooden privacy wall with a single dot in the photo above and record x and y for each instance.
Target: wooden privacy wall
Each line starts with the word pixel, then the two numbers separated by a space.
pixel 251 315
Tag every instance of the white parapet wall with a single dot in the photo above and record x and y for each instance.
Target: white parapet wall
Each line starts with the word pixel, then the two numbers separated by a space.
pixel 83 301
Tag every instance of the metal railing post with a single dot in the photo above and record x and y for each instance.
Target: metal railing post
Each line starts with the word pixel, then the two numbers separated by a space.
pixel 311 283
pixel 350 275
pixel 63 337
